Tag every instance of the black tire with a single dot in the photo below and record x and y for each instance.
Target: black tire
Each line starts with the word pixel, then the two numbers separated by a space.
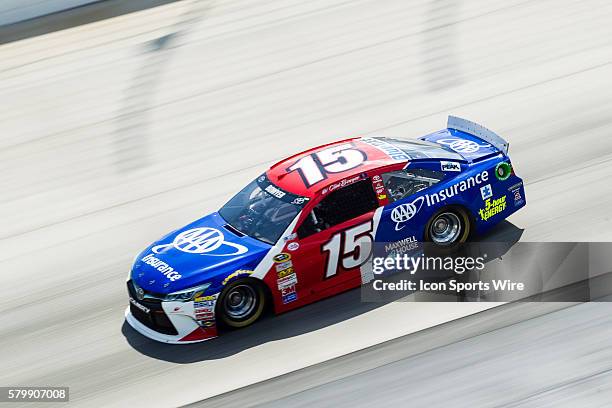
pixel 241 303
pixel 440 229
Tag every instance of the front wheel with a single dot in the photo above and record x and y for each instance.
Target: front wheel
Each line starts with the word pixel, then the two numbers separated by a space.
pixel 241 303
pixel 448 228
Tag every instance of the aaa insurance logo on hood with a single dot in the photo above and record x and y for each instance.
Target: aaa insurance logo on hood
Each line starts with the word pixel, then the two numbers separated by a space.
pixel 199 241
pixel 202 241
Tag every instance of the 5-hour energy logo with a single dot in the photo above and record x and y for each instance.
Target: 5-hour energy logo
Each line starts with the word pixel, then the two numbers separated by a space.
pixel 492 207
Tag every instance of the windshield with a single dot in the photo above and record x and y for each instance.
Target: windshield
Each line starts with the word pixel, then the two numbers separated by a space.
pixel 262 210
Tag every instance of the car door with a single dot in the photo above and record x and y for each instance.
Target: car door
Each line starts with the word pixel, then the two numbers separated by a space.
pixel 335 238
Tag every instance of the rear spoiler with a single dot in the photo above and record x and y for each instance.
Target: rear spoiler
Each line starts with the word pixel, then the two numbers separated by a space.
pixel 479 131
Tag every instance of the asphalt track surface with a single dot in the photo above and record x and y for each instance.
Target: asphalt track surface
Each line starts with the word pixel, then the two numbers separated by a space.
pixel 115 132
pixel 519 355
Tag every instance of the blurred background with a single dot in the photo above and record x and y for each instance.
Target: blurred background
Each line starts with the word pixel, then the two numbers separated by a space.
pixel 120 121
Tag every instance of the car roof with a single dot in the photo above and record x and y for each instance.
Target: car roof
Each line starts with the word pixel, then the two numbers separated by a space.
pixel 292 174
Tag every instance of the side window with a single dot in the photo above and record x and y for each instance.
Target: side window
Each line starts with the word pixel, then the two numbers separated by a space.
pixel 403 183
pixel 339 206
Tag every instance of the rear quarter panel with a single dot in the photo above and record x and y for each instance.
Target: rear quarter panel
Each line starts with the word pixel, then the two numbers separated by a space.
pixel 507 196
pixel 469 189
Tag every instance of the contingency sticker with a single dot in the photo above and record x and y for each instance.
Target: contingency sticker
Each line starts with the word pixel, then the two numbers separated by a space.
pixel 286 277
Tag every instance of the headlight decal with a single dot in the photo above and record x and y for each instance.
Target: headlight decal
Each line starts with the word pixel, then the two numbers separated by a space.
pixel 186 294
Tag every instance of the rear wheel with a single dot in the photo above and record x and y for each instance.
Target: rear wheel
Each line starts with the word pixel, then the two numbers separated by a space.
pixel 241 303
pixel 448 228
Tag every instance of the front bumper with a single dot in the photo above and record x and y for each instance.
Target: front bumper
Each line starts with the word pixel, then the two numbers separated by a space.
pixel 195 334
pixel 167 322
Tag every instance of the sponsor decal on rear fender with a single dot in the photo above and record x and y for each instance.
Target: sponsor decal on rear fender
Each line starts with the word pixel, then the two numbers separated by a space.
pixel 450 166
pixel 406 211
pixel 492 207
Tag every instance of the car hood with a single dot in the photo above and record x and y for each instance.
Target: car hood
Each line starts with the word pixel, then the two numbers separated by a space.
pixel 207 250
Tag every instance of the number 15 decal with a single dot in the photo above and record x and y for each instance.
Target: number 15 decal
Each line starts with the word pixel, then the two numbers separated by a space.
pixel 356 243
pixel 315 167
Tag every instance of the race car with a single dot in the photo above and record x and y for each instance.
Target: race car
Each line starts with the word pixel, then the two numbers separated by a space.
pixel 304 229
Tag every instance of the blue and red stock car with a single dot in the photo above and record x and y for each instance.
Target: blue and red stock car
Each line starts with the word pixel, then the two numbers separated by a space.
pixel 304 229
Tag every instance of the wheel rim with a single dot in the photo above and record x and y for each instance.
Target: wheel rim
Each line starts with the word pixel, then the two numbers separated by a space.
pixel 445 229
pixel 240 302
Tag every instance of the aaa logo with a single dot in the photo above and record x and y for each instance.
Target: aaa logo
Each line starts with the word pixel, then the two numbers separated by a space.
pixel 203 241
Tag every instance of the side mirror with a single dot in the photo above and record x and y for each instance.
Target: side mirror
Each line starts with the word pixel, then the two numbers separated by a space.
pixel 311 225
pixel 319 224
